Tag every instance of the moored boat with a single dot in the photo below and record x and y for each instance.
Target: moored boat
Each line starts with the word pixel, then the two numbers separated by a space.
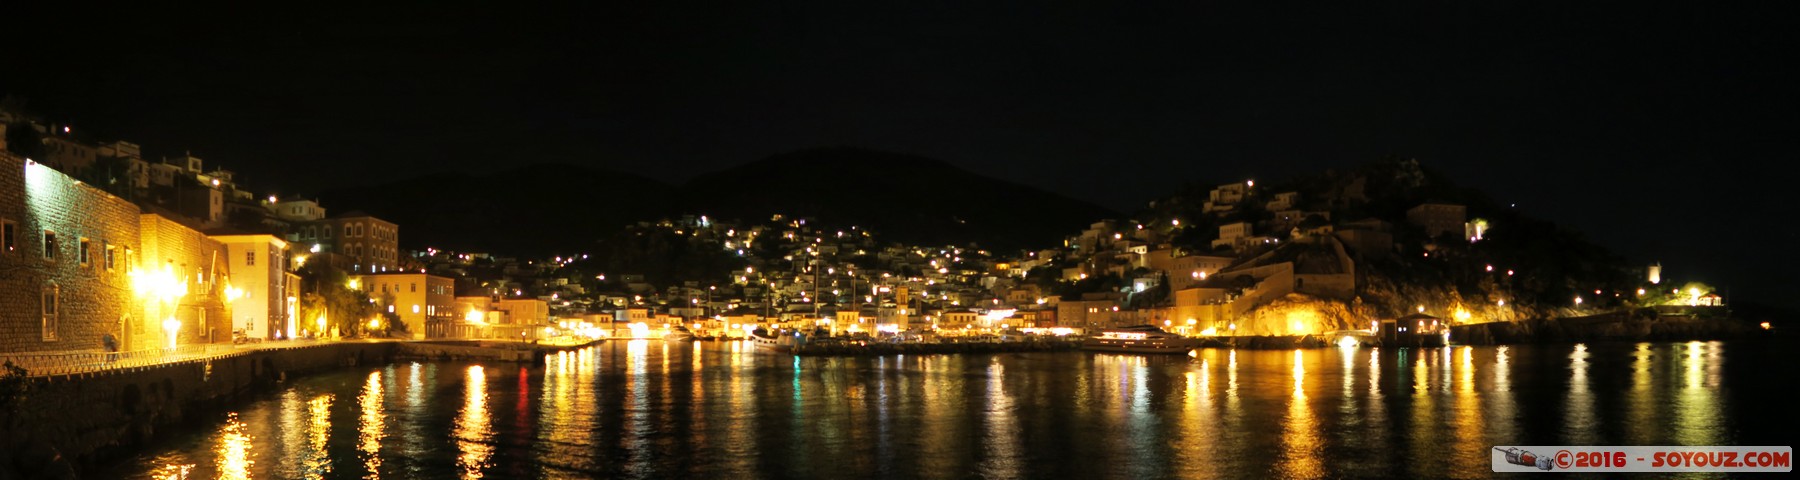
pixel 1139 339
pixel 773 341
pixel 679 334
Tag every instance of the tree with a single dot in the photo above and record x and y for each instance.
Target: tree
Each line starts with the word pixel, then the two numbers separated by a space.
pixel 343 308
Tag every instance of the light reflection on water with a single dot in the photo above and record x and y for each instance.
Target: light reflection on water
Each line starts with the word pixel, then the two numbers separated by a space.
pixel 723 410
pixel 1300 442
pixel 474 436
pixel 234 450
pixel 371 425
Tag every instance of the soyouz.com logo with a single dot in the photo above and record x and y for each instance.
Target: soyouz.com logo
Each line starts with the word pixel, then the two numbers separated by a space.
pixel 1642 459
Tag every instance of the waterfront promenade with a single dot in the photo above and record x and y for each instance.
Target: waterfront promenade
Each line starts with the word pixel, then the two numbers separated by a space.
pixel 63 363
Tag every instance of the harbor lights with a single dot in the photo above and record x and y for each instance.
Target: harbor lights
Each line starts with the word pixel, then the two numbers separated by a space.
pixel 171 326
pixel 167 290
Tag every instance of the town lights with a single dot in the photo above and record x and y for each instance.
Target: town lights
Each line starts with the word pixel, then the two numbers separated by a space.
pixel 375 323
pixel 171 326
pixel 354 284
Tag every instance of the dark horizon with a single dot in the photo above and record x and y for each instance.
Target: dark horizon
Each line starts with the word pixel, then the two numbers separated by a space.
pixel 1645 127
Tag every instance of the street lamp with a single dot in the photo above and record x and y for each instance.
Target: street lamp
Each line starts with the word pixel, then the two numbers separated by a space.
pixel 167 290
pixel 171 326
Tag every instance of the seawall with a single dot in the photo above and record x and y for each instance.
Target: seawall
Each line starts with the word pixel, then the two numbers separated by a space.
pixel 1606 327
pixel 62 423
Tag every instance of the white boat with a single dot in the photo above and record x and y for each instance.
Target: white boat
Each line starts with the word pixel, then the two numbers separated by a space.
pixel 1139 339
pixel 679 334
pixel 773 341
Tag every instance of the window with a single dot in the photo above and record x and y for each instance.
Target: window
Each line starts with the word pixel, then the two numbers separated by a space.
pixel 250 258
pixel 49 245
pixel 82 254
pixel 48 305
pixel 110 254
pixel 9 233
pixel 414 288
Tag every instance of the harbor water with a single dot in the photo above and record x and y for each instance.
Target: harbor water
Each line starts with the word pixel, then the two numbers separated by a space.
pixel 655 409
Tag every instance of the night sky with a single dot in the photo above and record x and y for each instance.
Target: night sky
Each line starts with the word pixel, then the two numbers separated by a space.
pixel 1657 130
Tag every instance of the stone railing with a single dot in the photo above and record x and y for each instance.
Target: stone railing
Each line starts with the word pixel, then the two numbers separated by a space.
pixel 40 364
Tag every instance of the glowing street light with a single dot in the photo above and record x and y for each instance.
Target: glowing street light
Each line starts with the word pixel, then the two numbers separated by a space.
pixel 171 326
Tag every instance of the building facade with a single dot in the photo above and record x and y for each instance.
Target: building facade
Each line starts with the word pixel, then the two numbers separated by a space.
pixel 66 256
pixel 368 244
pixel 259 290
pixel 191 269
pixel 417 298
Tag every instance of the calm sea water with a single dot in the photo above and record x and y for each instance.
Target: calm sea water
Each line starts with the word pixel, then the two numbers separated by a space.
pixel 649 409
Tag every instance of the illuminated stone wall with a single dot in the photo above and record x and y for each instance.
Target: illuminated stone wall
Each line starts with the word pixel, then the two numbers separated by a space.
pixel 199 262
pixel 92 299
